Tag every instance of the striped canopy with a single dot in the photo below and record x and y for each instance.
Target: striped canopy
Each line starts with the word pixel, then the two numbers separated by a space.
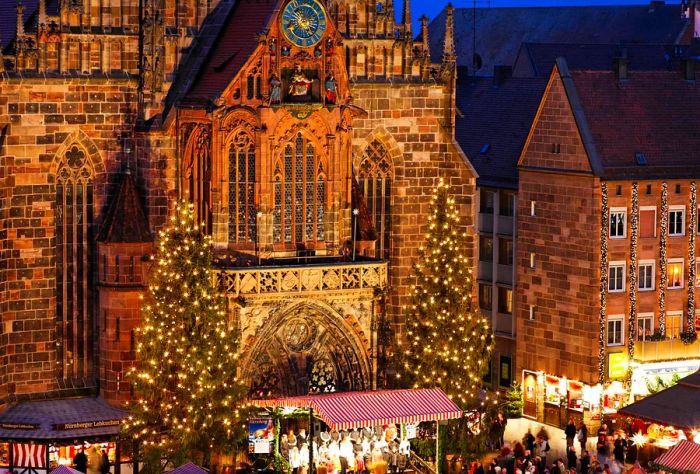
pixel 349 410
pixel 683 457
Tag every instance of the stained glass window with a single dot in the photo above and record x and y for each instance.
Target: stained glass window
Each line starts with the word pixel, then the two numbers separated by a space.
pixel 375 176
pixel 73 227
pixel 300 194
pixel 242 213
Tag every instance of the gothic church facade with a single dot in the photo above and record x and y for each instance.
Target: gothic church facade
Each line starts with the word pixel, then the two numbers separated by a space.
pixel 308 135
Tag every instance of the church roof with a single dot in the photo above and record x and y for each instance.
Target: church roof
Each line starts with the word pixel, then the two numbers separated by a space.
pixel 493 122
pixel 233 47
pixel 125 221
pixel 501 31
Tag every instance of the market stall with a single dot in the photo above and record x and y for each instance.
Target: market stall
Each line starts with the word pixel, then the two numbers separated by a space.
pixel 360 426
pixel 38 436
pixel 682 458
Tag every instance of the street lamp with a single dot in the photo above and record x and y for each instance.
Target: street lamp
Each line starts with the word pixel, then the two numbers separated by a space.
pixel 355 212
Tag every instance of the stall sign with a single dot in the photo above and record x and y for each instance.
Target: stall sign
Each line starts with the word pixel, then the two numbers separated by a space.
pixel 617 365
pixel 261 429
pixel 410 430
pixel 552 380
pixel 261 446
pixel 19 426
pixel 83 425
pixel 575 386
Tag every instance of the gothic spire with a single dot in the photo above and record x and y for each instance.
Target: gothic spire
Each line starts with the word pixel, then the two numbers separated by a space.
pixel 407 30
pixel 448 52
pixel 424 35
pixel 41 19
pixel 20 19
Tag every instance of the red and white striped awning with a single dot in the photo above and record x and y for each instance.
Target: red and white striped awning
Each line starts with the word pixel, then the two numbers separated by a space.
pixel 683 457
pixel 349 410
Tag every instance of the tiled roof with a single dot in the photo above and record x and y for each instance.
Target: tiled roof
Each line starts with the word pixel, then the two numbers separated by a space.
pixel 125 220
pixel 537 59
pixel 188 468
pixel 493 123
pixel 653 112
pixel 235 44
pixel 45 414
pixel 501 31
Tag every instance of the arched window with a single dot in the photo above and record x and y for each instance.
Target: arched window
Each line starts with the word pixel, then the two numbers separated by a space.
pixel 300 193
pixel 375 175
pixel 74 194
pixel 197 173
pixel 241 194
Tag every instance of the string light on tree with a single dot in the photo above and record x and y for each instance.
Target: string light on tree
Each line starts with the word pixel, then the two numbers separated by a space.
pixel 604 229
pixel 662 259
pixel 634 227
pixel 448 341
pixel 187 393
pixel 692 230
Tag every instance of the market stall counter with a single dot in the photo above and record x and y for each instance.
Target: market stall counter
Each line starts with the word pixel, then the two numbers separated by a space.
pixel 38 436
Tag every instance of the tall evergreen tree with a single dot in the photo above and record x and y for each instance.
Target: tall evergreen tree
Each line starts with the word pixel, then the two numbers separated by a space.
pixel 187 396
pixel 448 342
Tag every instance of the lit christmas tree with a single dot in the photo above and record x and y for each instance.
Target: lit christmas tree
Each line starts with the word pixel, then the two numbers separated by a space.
pixel 448 342
pixel 187 397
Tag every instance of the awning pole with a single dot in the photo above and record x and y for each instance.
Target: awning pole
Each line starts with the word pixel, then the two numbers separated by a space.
pixel 312 469
pixel 437 446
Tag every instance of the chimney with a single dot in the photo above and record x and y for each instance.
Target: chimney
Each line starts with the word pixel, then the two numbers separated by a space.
pixel 688 69
pixel 621 65
pixel 501 74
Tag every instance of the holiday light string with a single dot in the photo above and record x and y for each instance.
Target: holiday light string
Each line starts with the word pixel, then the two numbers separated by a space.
pixel 662 259
pixel 634 227
pixel 604 229
pixel 692 230
pixel 448 341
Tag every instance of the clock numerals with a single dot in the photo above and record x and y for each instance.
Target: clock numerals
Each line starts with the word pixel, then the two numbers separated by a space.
pixel 303 22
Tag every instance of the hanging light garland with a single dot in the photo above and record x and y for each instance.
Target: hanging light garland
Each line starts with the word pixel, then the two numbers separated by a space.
pixel 604 229
pixel 691 256
pixel 662 259
pixel 634 234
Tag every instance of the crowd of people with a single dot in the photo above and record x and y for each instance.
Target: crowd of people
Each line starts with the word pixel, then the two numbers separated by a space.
pixel 94 462
pixel 533 454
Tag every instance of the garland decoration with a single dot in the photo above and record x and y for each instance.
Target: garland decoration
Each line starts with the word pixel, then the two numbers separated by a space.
pixel 692 230
pixel 604 229
pixel 662 259
pixel 633 270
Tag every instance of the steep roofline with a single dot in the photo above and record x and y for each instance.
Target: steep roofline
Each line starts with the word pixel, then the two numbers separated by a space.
pixel 584 130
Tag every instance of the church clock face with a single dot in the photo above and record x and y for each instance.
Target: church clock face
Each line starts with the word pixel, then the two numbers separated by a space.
pixel 303 22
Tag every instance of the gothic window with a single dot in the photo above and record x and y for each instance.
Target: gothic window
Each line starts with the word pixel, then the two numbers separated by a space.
pixel 197 174
pixel 323 377
pixel 250 86
pixel 74 201
pixel 241 195
pixel 375 176
pixel 299 193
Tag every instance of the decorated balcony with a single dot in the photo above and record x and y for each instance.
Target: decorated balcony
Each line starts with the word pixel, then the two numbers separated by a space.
pixel 295 278
pixel 670 349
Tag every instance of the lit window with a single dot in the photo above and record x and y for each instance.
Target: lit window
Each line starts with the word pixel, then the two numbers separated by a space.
pixel 241 185
pixel 645 326
pixel 645 275
pixel 676 220
pixel 675 273
pixel 674 324
pixel 375 177
pixel 618 223
pixel 616 335
pixel 616 277
pixel 505 300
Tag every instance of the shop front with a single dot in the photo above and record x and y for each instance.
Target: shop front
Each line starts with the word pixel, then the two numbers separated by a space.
pixel 38 436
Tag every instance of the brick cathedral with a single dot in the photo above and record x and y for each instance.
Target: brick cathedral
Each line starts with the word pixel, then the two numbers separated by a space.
pixel 308 134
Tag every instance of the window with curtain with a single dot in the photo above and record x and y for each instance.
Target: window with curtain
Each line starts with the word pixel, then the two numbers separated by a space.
pixel 241 188
pixel 375 175
pixel 299 193
pixel 73 227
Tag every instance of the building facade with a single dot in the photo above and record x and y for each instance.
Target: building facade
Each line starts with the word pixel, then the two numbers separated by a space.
pixel 606 267
pixel 277 131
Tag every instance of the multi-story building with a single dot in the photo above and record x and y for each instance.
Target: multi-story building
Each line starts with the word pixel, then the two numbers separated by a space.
pixel 606 238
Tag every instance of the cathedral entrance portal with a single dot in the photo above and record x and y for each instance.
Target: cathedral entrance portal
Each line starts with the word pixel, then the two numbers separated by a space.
pixel 304 349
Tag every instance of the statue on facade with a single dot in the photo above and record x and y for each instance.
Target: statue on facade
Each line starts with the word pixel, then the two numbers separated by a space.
pixel 299 84
pixel 275 89
pixel 331 91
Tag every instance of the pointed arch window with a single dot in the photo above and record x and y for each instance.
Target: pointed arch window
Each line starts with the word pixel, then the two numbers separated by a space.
pixel 241 195
pixel 197 174
pixel 375 175
pixel 74 298
pixel 299 193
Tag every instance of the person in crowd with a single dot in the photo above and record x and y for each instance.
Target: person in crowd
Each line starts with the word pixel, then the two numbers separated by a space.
pixel 94 460
pixel 557 467
pixel 570 432
pixel 585 462
pixel 541 449
pixel 619 448
pixel 518 450
pixel 571 457
pixel 606 469
pixel 529 441
pixel 582 435
pixel 80 461
pixel 104 467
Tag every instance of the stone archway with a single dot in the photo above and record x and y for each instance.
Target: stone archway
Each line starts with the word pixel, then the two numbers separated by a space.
pixel 305 348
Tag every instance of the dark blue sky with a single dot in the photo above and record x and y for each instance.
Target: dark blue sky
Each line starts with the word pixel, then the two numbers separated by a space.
pixel 433 7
